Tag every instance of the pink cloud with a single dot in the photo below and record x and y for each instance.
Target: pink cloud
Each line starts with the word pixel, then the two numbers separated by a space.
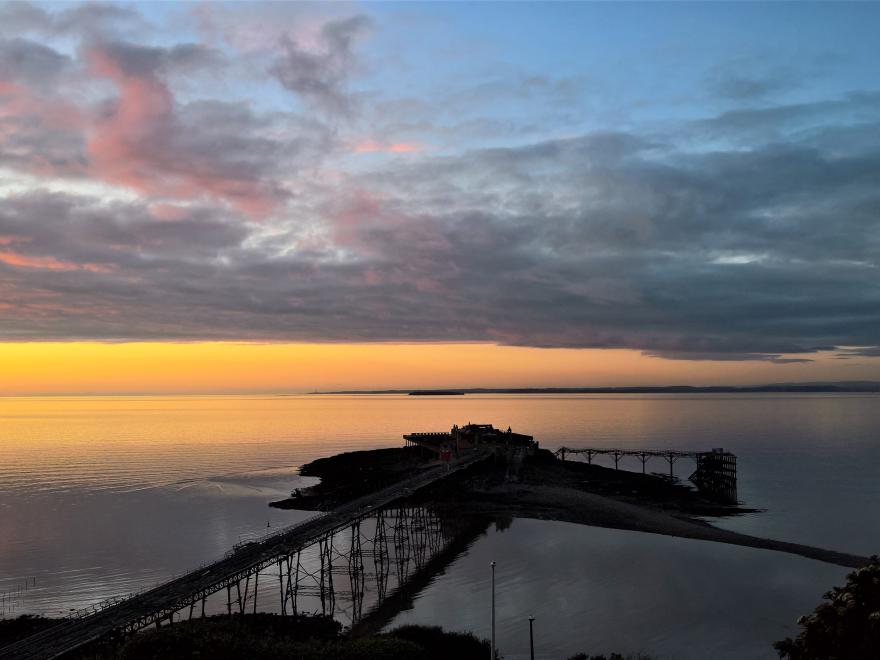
pixel 369 146
pixel 134 144
pixel 17 101
pixel 26 114
pixel 168 212
pixel 397 248
pixel 120 144
pixel 49 263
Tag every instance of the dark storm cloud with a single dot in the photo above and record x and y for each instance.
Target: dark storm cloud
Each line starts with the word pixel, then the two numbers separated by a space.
pixel 319 74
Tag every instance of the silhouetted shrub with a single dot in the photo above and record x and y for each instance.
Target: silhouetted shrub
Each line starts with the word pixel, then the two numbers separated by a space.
pixel 441 645
pixel 613 656
pixel 846 627
pixel 22 626
pixel 272 637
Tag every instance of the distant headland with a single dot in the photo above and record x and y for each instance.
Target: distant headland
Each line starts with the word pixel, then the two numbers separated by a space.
pixel 812 387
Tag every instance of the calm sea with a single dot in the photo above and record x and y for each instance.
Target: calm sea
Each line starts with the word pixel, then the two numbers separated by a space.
pixel 101 496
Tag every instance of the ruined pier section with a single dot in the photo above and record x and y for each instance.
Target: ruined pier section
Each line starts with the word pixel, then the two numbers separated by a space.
pixel 462 440
pixel 507 446
pixel 714 476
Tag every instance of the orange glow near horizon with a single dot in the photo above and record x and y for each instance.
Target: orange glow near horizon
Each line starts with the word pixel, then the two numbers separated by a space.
pixel 225 367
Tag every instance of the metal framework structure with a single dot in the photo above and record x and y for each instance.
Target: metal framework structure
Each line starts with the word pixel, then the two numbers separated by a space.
pixel 336 562
pixel 715 472
pixel 342 573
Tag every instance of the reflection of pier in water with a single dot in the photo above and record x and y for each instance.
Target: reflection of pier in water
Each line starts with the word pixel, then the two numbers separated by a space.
pixel 366 574
pixel 715 473
pixel 403 597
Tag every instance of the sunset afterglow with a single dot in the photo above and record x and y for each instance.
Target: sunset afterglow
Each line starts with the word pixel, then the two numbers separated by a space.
pixel 286 195
pixel 191 368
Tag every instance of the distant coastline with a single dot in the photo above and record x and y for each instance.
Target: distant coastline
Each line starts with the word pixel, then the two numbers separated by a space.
pixel 838 387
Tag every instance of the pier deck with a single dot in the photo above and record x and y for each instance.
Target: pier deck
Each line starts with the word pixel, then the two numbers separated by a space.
pixel 715 472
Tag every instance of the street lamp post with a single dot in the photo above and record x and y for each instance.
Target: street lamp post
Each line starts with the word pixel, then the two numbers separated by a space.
pixel 493 610
pixel 531 639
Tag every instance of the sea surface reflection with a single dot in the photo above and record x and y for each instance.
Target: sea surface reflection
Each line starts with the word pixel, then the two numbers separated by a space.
pixel 602 591
pixel 107 495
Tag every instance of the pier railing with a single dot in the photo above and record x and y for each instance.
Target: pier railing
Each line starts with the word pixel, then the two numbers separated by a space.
pixel 715 472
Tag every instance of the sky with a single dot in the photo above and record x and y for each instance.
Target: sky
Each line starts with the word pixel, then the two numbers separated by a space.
pixel 290 196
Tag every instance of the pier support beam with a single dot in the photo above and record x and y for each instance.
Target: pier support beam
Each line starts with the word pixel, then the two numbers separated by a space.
pixel 281 587
pixel 671 458
pixel 256 589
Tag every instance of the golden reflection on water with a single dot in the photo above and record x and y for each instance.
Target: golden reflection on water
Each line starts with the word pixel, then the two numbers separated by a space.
pixel 60 443
pixel 104 495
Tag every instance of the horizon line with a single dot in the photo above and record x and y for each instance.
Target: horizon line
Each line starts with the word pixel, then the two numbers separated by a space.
pixel 839 386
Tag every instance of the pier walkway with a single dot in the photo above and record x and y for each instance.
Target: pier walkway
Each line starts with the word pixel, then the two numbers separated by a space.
pixel 670 455
pixel 161 603
pixel 715 472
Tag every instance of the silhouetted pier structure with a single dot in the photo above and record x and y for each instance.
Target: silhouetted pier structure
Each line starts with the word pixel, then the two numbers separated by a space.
pixel 715 473
pixel 470 437
pixel 372 544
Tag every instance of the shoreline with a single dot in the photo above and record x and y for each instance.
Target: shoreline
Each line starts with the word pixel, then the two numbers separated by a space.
pixel 549 489
pixel 847 387
pixel 565 505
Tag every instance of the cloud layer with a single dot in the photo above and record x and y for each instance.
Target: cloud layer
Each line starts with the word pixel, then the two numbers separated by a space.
pixel 139 206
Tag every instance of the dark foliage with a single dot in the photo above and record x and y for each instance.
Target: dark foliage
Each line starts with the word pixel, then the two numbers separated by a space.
pixel 613 656
pixel 438 644
pixel 12 630
pixel 270 637
pixel 255 636
pixel 844 627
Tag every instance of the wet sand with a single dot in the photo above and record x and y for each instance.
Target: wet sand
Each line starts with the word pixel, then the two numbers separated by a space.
pixel 549 489
pixel 568 505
